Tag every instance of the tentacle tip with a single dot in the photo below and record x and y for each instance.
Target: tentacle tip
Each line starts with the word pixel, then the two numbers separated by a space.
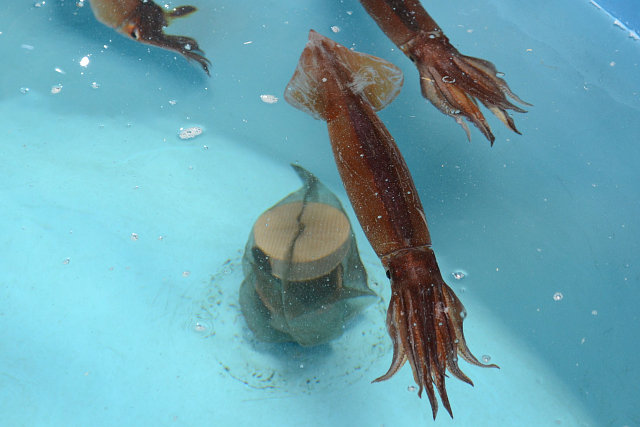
pixel 448 408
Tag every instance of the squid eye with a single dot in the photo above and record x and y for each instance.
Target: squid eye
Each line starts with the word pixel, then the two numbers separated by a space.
pixel 135 33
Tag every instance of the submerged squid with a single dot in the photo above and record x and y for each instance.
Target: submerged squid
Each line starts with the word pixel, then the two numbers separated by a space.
pixel 451 81
pixel 424 319
pixel 144 21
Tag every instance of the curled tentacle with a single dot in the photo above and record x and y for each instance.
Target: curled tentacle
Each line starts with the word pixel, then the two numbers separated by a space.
pixel 454 83
pixel 424 321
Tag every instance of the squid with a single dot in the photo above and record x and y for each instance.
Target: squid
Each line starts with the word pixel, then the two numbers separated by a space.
pixel 452 82
pixel 144 21
pixel 424 319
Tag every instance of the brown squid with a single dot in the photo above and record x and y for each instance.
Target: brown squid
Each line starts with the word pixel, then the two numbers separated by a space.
pixel 144 21
pixel 451 81
pixel 425 317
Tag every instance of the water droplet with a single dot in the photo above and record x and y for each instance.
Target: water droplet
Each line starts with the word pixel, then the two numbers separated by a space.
pixel 134 236
pixel 186 273
pixel 199 327
pixel 55 89
pixel 448 79
pixel 499 74
pixel 459 274
pixel 594 312
pixel 335 29
pixel 66 261
pixel 187 46
pixel 558 296
pixel 84 62
pixel 24 90
pixel 486 358
pixel 411 388
pixel 173 102
pixel 95 85
pixel 463 314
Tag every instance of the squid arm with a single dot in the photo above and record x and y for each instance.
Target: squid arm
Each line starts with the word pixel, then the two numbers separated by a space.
pixel 144 21
pixel 451 81
pixel 424 319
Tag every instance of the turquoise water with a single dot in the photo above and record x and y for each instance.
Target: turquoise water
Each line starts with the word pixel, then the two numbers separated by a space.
pixel 121 242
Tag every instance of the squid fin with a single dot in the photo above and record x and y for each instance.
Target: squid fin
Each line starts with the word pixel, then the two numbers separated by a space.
pixel 376 80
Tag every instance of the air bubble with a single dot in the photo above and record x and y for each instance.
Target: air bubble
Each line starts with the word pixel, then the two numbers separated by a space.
pixel 558 296
pixel 335 29
pixel 411 388
pixel 189 133
pixel 486 358
pixel 459 274
pixel 24 90
pixel 200 326
pixel 448 79
pixel 499 74
pixel 269 99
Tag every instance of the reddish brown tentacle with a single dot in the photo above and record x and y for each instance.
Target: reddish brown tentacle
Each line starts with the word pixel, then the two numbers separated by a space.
pixel 425 322
pixel 467 79
pixel 454 83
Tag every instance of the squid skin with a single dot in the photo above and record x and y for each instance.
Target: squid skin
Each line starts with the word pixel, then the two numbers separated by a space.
pixel 425 317
pixel 451 81
pixel 144 21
